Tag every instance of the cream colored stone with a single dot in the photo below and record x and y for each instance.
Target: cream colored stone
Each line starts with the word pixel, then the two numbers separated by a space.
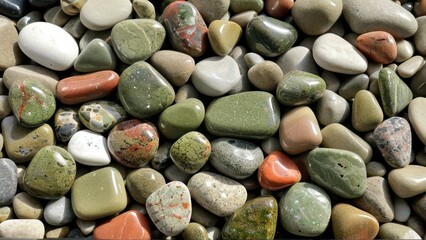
pixel 408 181
pixel 265 75
pixel 410 67
pixel 26 206
pixel 60 232
pixel 417 117
pixel 11 55
pixel 22 228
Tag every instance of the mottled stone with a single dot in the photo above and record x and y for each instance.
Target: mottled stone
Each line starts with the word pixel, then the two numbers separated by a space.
pixel 393 138
pixel 66 123
pixel 22 228
pixel 170 208
pixel 137 39
pixel 26 206
pixel 97 16
pixel 339 171
pixel 332 108
pixel 223 36
pixel 59 212
pixel 366 111
pixel 408 181
pixel 8 181
pixel 416 115
pixel 11 54
pixel 305 210
pixel 175 66
pixel 143 182
pixel 397 231
pixel 195 231
pixel 133 143
pixel 89 148
pixel 96 56
pixel 143 91
pixel 101 115
pixel 144 9
pixel 253 115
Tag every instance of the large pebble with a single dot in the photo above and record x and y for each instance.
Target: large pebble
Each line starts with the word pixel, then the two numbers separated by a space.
pixel 59 212
pixel 11 54
pixel 332 108
pixel 378 46
pixel 89 148
pixel 96 56
pixel 98 16
pixel 397 231
pixel 417 114
pixel 22 228
pixel 175 66
pixel 8 181
pixel 151 179
pixel 48 45
pixel 216 193
pixel 408 181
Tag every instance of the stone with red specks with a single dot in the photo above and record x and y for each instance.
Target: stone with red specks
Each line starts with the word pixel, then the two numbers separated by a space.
pixel 170 208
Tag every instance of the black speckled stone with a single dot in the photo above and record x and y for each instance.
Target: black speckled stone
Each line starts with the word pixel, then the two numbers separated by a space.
pixel 13 8
pixel 8 181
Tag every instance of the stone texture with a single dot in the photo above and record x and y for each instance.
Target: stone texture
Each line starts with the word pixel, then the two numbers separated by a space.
pixel 352 85
pixel 408 181
pixel 89 148
pixel 419 205
pixel 72 7
pixel 8 181
pixel 13 9
pixel 96 56
pixel 378 46
pixel 211 10
pixel 417 83
pixel 397 231
pixel 366 111
pixel 26 206
pixel 66 124
pixel 56 16
pixel 238 6
pixel 101 115
pixel 195 231
pixel 265 75
pixel 419 36
pixel 297 58
pixel 22 228
pixel 59 212
pixel 143 182
pixel 278 8
pixel 411 66
pixel 144 9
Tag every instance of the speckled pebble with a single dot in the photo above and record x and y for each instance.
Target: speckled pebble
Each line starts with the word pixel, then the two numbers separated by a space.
pixel 66 123
pixel 100 116
pixel 59 212
pixel 22 228
pixel 89 148
pixel 26 206
pixel 195 231
pixel 143 182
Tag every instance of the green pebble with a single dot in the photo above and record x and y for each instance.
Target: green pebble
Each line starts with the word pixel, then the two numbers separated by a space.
pixel 351 86
pixel 195 231
pixel 142 182
pixel 96 56
pixel 238 6
pixel 300 88
pixel 144 9
pixel 101 116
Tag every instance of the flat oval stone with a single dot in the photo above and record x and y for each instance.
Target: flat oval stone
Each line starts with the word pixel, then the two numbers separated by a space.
pixel 59 212
pixel 26 206
pixel 48 45
pixel 195 231
pixel 261 224
pixel 397 231
pixel 235 158
pixel 137 39
pixel 181 118
pixel 305 210
pixel 187 32
pixel 216 193
pixel 97 16
pixel 378 46
pixel 408 181
pixel 128 225
pixel 133 143
pixel 339 171
pixel 143 91
pixel 223 36
pixel 170 208
pixel 332 108
pixel 269 37
pixel 32 103
pixel 21 144
pixel 366 111
pixel 362 17
pixel 417 114
pixel 215 76
pixel 253 115
pixel 335 54
pixel 89 148
pixel 411 66
pixel 338 136
pixel 12 55
pixel 50 174
pixel 22 228
pixel 300 88
pixel 101 115
pixel 351 222
pixel 66 123
pixel 8 181
pixel 151 179
pixel 278 8
pixel 393 138
pixel 299 131
pixel 98 194
pixel 96 56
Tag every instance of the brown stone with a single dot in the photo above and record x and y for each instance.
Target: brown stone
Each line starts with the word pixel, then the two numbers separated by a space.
pixel 378 46
pixel 278 8
pixel 11 55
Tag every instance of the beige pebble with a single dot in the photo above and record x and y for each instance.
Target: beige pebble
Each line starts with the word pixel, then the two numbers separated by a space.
pixel 410 67
pixel 405 50
pixel 26 206
pixel 252 59
pixel 11 55
pixel 375 168
pixel 397 231
pixel 5 108
pixel 265 75
pixel 332 108
pixel 243 18
pixel 175 66
pixel 6 213
pixel 408 181
pixel 22 228
pixel 417 116
pixel 60 232
pixel 202 216
pixel 297 58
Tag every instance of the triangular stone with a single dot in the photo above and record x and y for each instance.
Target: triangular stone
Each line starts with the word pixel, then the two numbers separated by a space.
pixel 96 56
pixel 395 94
pixel 223 36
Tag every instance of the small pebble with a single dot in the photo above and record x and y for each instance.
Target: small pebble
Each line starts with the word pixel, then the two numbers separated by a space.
pixel 59 212
pixel 27 207
pixel 195 231
pixel 397 231
pixel 402 209
pixel 151 179
pixel 375 168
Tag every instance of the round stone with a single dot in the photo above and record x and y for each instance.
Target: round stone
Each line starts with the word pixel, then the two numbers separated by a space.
pixel 265 75
pixel 143 182
pixel 59 212
pixel 402 210
pixel 26 206
pixel 195 231
pixel 408 181
pixel 397 231
pixel 101 115
pixel 89 148
pixel 98 16
pixel 8 181
pixel 375 169
pixel 22 228
pixel 411 66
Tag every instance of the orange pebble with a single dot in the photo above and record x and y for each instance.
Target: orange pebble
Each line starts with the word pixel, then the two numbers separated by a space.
pixel 378 46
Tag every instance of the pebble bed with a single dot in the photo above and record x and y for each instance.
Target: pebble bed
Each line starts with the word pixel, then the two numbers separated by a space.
pixel 202 119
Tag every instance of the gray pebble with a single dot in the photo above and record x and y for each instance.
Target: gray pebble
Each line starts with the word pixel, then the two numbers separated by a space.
pixel 8 181
pixel 59 212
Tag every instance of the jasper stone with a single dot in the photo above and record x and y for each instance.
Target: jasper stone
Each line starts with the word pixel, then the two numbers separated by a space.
pixel 21 144
pixel 96 56
pixel 378 46
pixel 137 39
pixel 8 181
pixel 223 36
pixel 32 103
pixel 128 225
pixel 417 114
pixel 98 194
pixel 332 108
pixel 256 219
pixel 190 152
pixel 305 210
pixel 300 88
pixel 175 66
pixel 366 111
pixel 143 182
pixel 185 27
pixel 66 124
pixel 170 208
pixel 180 118
pixel 351 222
pixel 100 116
pixel 253 115
pixel 89 148
pixel 408 181
pixel 339 171
pixel 216 193
pixel 133 143
pixel 143 91
pixel 277 172
pixel 393 138
pixel 50 174
pixel 235 158
pixel 269 37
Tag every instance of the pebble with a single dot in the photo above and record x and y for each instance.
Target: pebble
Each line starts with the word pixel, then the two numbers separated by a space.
pixel 144 9
pixel 305 210
pixel 402 209
pixel 195 231
pixel 277 172
pixel 89 148
pixel 416 223
pixel 261 224
pixel 22 228
pixel 292 139
pixel 26 206
pixel 50 174
pixel 143 182
pixel 127 225
pixel 101 115
pixel 410 67
pixel 11 55
pixel 5 109
pixel 417 83
pixel 351 222
pixel 235 158
pixel 351 86
pixel 8 181
pixel 59 212
pixel 316 17
pixel 6 213
pixel 375 168
pixel 393 138
pixel 238 6
pixel 170 208
pixel 397 231
pixel 378 46
pixel 136 40
pixel 143 91
pixel 13 9
pixel 97 16
pixel 98 194
pixel 331 79
pixel 89 35
pixel 60 232
pixel 214 233
pixel 173 173
pixel 339 171
pixel 243 18
pixel 66 123
pixel 202 216
pixel 72 7
pixel 366 111
pixel 416 115
pixel 223 35
pixel 332 108
pixel 297 58
pixel 175 66
pixel 210 11
pixel 216 193
pixel 419 206
pixel 162 159
pixel 419 36
pixel 405 50
pixel 408 181
pixel 250 115
pixel 48 45
pixel 56 16
pixel 278 8
pixel 96 56
pixel 85 226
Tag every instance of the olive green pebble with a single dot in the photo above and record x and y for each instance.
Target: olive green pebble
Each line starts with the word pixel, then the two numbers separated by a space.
pixel 195 231
pixel 142 182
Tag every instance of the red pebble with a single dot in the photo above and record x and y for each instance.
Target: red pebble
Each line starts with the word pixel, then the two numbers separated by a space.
pixel 278 8
pixel 129 225
pixel 278 171
pixel 83 88
pixel 378 46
